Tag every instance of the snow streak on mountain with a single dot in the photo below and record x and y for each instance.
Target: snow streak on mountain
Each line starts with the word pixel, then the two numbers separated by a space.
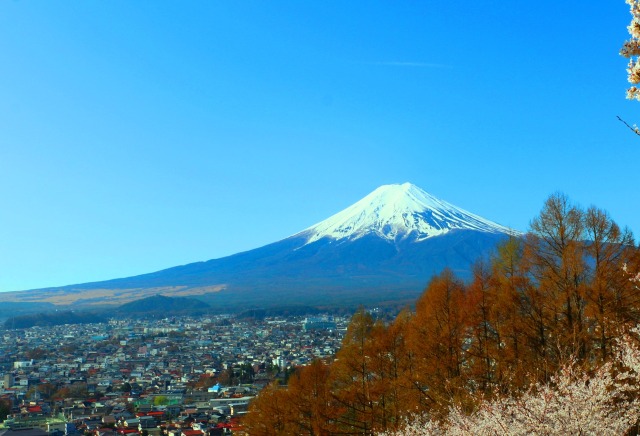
pixel 397 212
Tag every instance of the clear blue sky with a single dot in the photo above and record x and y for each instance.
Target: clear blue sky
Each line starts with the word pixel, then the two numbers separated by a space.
pixel 139 135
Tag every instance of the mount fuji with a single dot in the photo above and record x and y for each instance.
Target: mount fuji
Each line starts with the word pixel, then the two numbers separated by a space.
pixel 383 248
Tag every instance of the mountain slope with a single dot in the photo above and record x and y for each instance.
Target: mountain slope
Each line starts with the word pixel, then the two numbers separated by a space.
pixel 386 245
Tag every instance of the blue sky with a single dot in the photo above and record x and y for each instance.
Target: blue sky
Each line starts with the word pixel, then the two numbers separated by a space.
pixel 136 136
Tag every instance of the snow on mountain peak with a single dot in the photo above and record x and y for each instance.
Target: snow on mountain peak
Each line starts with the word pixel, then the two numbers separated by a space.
pixel 395 212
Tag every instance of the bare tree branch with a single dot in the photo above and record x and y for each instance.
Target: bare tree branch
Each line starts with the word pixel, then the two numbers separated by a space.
pixel 634 129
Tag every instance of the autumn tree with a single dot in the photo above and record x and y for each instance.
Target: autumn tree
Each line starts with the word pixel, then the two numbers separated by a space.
pixel 205 381
pixel 350 377
pixel 437 337
pixel 395 368
pixel 312 409
pixel 225 377
pixel 484 346
pixel 35 353
pixel 515 312
pixel 46 389
pixel 613 301
pixel 270 413
pixel 302 408
pixel 385 351
pixel 555 252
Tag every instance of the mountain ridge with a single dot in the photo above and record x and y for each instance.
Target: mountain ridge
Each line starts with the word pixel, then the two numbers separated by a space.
pixel 395 238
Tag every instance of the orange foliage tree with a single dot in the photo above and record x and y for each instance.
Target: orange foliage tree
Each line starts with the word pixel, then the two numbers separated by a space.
pixel 302 408
pixel 437 336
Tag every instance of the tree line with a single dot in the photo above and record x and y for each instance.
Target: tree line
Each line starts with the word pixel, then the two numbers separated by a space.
pixel 50 319
pixel 561 292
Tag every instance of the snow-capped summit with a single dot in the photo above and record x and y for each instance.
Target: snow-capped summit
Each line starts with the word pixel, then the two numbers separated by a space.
pixel 396 212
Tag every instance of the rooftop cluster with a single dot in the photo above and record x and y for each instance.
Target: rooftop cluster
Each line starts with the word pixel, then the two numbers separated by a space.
pixel 177 376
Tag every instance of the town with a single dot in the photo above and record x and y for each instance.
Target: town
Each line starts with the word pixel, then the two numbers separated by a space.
pixel 177 376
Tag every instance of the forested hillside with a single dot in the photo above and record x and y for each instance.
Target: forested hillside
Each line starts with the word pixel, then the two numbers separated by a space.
pixel 557 299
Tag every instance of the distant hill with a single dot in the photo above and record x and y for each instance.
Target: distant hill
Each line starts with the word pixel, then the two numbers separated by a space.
pixel 163 305
pixel 50 319
pixel 9 309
